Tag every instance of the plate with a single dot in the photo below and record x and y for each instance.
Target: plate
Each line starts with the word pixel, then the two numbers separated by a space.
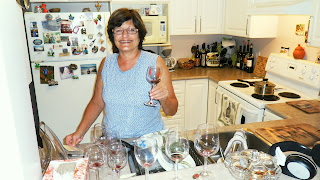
pixel 163 159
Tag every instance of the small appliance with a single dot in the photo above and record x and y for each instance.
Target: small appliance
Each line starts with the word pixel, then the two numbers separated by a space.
pixel 155 10
pixel 170 61
pixel 156 29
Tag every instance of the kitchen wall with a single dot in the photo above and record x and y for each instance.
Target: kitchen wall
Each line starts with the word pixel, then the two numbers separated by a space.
pixel 181 45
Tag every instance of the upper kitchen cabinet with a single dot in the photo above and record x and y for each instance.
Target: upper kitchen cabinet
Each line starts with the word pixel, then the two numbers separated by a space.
pixel 238 23
pixel 190 17
pixel 314 26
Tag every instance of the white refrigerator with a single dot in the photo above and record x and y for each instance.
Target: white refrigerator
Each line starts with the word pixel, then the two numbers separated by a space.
pixel 65 52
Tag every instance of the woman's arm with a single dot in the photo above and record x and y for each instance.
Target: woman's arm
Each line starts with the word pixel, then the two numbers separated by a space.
pixel 92 111
pixel 164 91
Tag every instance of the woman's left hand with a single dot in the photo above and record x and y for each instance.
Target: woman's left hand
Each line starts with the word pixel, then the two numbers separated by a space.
pixel 159 92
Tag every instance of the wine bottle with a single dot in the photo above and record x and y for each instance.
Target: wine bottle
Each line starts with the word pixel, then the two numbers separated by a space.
pixel 239 55
pixel 197 57
pixel 250 60
pixel 203 55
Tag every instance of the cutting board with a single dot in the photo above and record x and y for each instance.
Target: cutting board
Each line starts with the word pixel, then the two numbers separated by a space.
pixel 308 106
pixel 259 69
pixel 305 134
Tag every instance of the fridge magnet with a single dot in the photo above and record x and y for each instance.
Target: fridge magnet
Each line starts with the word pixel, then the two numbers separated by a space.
pixel 66 26
pixel 64 52
pixel 33 25
pixel 83 31
pixel 92 42
pixel 51 25
pixel 71 18
pixel 100 34
pixel 38 48
pixel 99 26
pixel 99 17
pixel 96 21
pixel 58 19
pixel 37 66
pixel 68 43
pixel 58 47
pixel 81 23
pixel 50 52
pixel 51 37
pixel 52 82
pixel 102 49
pixel 90 36
pixel 75 41
pixel 95 49
pixel 300 29
pixel 37 41
pixel 76 50
pixel 84 48
pixel 73 67
pixel 75 77
pixel 34 33
pixel 46 74
pixel 85 51
pixel 306 37
pixel 64 38
pixel 88 69
pixel 65 72
pixel 76 30
pixel 48 17
pixel 101 41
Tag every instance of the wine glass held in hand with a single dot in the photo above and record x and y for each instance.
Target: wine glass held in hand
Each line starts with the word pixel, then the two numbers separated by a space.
pixel 145 151
pixel 207 144
pixel 117 157
pixel 177 147
pixel 96 157
pixel 153 76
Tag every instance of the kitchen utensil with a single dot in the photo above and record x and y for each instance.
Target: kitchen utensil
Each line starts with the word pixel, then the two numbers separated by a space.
pixel 264 87
pixel 170 62
pixel 155 10
pixel 298 53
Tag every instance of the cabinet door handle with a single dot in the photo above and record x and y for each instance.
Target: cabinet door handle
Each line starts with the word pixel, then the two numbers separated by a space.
pixel 200 23
pixel 307 38
pixel 247 27
pixel 195 24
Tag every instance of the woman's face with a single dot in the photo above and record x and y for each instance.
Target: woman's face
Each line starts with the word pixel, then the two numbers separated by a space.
pixel 126 42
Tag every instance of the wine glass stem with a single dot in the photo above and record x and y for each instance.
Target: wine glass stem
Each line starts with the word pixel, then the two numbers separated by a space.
pixel 176 169
pixel 97 174
pixel 118 174
pixel 205 166
pixel 152 85
pixel 147 172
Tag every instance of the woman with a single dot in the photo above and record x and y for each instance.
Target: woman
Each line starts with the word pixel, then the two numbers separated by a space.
pixel 121 87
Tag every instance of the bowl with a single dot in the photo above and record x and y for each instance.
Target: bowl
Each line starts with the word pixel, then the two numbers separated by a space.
pixel 185 63
pixel 54 10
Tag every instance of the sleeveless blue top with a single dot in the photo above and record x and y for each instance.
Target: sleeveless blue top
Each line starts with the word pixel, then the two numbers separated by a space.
pixel 124 94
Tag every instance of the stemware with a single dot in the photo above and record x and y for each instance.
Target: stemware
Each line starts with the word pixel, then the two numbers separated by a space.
pixel 206 144
pixel 96 157
pixel 117 157
pixel 98 136
pixel 145 151
pixel 177 146
pixel 153 76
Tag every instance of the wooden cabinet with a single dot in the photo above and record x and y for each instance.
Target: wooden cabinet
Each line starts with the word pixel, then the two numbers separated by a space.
pixel 212 107
pixel 269 116
pixel 238 23
pixel 190 17
pixel 196 103
pixel 314 25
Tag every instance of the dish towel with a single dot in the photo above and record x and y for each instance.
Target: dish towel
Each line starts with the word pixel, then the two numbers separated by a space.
pixel 229 112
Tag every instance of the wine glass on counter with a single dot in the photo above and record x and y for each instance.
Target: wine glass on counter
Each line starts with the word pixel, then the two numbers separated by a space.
pixel 96 157
pixel 116 157
pixel 206 144
pixel 153 77
pixel 145 151
pixel 177 146
pixel 98 136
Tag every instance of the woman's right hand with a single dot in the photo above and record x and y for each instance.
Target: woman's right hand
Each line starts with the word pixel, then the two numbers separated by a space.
pixel 73 139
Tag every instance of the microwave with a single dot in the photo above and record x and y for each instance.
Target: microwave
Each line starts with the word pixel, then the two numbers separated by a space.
pixel 156 29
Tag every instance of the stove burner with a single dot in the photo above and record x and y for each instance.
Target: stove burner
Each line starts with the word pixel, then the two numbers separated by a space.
pixel 240 85
pixel 266 98
pixel 289 95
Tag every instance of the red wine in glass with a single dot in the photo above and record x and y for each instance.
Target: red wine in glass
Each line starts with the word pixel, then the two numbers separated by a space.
pixel 153 77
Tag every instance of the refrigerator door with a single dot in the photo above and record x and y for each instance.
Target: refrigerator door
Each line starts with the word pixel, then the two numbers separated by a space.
pixel 67 36
pixel 61 104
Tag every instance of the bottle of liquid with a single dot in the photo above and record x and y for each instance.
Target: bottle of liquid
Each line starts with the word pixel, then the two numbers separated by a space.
pixel 246 56
pixel 203 55
pixel 243 58
pixel 250 60
pixel 239 55
pixel 197 58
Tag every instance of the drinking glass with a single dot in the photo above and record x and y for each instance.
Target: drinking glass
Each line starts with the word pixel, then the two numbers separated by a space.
pixel 177 146
pixel 206 144
pixel 98 137
pixel 153 77
pixel 145 151
pixel 117 157
pixel 96 157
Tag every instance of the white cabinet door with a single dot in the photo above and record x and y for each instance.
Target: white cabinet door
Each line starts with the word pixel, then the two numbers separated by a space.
pixel 269 116
pixel 314 26
pixel 238 23
pixel 196 103
pixel 189 17
pixel 212 107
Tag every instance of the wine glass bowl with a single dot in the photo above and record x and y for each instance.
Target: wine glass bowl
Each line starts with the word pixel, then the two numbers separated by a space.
pixel 96 157
pixel 177 147
pixel 206 144
pixel 145 151
pixel 117 157
pixel 153 77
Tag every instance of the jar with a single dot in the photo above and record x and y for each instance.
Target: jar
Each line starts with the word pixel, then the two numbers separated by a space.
pixel 281 50
pixel 298 53
pixel 287 51
pixel 38 9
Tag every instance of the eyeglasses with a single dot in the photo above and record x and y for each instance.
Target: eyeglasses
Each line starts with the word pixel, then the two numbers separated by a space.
pixel 119 31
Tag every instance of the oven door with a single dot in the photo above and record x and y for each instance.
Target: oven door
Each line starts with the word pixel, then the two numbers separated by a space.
pixel 248 112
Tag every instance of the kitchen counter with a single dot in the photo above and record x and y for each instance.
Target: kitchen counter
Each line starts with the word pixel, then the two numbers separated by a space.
pixel 215 74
